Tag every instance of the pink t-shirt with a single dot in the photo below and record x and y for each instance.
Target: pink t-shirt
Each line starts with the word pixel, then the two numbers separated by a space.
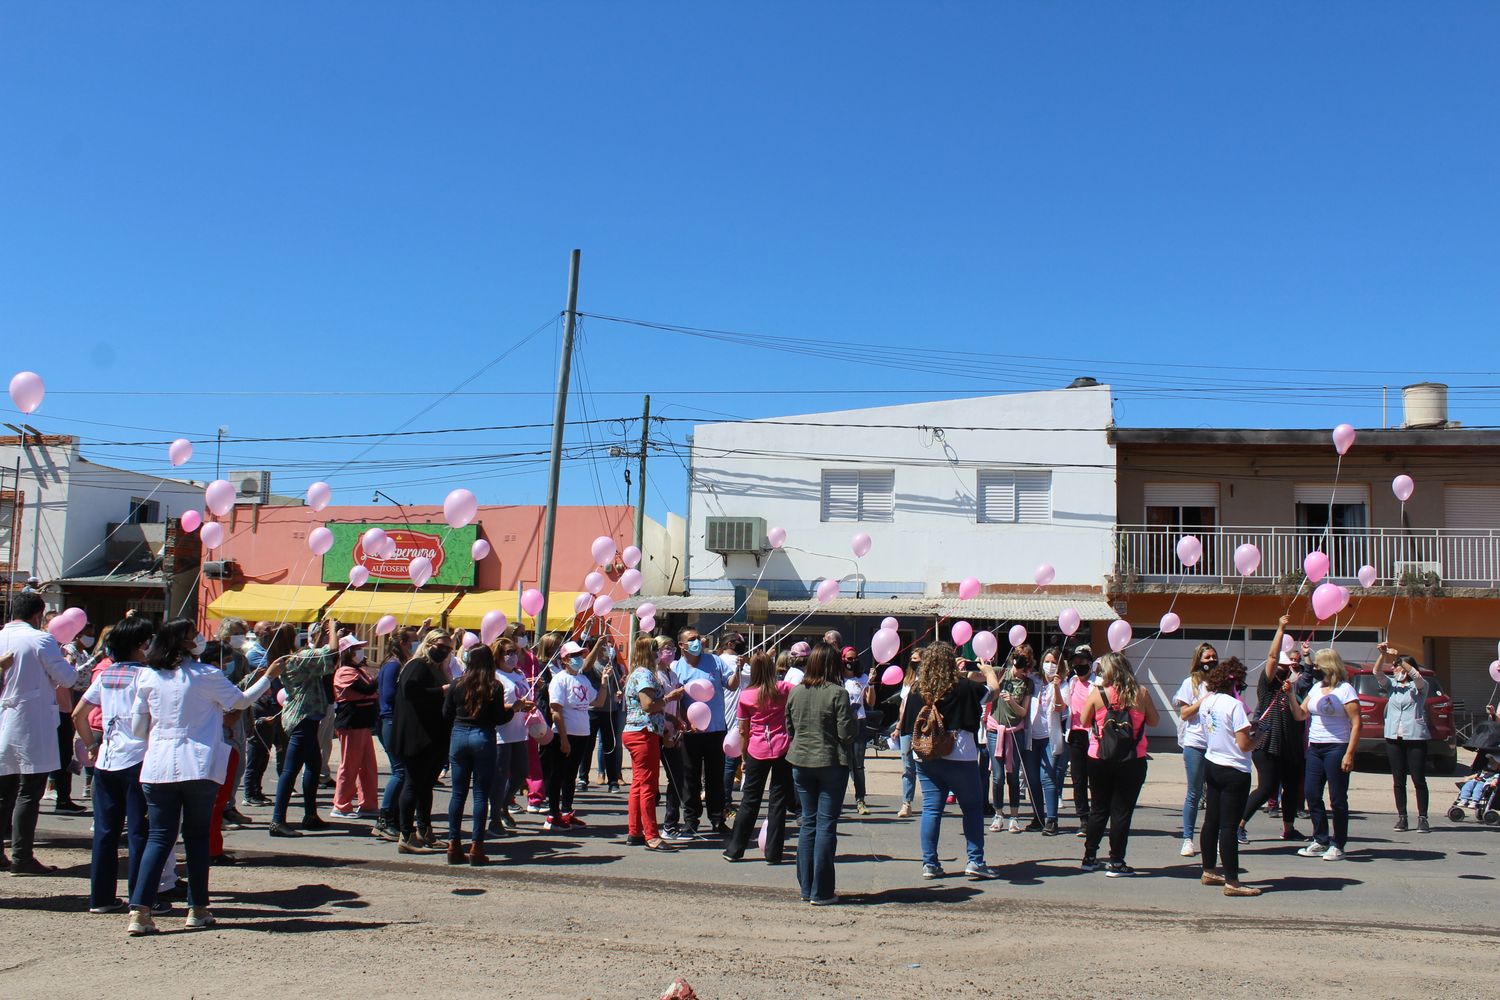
pixel 768 736
pixel 1137 719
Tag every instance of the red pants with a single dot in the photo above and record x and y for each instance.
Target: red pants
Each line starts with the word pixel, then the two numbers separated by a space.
pixel 216 822
pixel 645 782
pixel 357 769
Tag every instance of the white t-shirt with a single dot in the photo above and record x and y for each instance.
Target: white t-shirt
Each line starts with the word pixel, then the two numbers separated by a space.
pixel 1190 732
pixel 573 693
pixel 793 676
pixel 114 692
pixel 1329 723
pixel 856 687
pixel 1223 716
pixel 516 688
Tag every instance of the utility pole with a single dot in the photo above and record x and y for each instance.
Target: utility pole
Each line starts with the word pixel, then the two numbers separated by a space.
pixel 559 419
pixel 640 501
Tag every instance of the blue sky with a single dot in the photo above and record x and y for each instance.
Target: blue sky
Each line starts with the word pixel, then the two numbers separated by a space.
pixel 206 207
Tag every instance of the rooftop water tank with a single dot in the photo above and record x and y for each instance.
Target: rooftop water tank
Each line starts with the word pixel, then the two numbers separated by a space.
pixel 1425 405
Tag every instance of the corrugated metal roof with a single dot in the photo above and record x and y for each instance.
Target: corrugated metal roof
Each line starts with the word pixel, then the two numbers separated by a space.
pixel 680 602
pixel 1028 607
pixel 116 580
pixel 1020 607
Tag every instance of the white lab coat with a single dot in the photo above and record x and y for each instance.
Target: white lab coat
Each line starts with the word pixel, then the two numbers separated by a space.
pixel 28 700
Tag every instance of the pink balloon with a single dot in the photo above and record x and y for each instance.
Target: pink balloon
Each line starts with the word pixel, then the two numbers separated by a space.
pixel 1495 671
pixel 319 540
pixel 546 736
pixel 491 625
pixel 469 640
pixel 1017 635
pixel 582 603
pixel 218 497
pixel 860 543
pixel 420 571
pixel 212 535
pixel 1403 487
pixel 1343 438
pixel 646 610
pixel 459 507
pixel 889 623
pixel 386 625
pixel 885 645
pixel 603 549
pixel 962 633
pixel 700 715
pixel 479 550
pixel 532 601
pixel 1368 576
pixel 1247 559
pixel 27 390
pixel 1315 565
pixel 190 520
pixel 1045 574
pixel 318 495
pixel 66 626
pixel 358 576
pixel 373 541
pixel 179 451
pixel 630 581
pixel 1287 643
pixel 1344 596
pixel 648 624
pixel 893 676
pixel 986 646
pixel 827 591
pixel 1189 550
pixel 733 743
pixel 776 537
pixel 760 838
pixel 699 689
pixel 1325 601
pixel 1069 621
pixel 631 557
pixel 387 548
pixel 603 605
pixel 595 582
pixel 1170 623
pixel 281 697
pixel 969 588
pixel 1120 634
pixel 535 726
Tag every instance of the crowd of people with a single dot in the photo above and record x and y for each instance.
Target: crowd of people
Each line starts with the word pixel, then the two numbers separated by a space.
pixel 173 730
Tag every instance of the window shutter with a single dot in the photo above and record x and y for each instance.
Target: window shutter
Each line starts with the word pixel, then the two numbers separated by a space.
pixel 1034 497
pixel 840 495
pixel 1182 494
pixel 997 496
pixel 877 494
pixel 1476 508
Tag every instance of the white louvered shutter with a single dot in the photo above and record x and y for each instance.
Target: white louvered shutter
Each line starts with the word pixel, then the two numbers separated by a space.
pixel 877 494
pixel 1034 497
pixel 840 495
pixel 997 496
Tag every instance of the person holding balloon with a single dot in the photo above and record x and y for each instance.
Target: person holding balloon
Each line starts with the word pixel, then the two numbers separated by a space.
pixel 1192 738
pixel 651 692
pixel 356 699
pixel 475 706
pixel 570 695
pixel 1048 732
pixel 302 716
pixel 762 736
pixel 511 738
pixel 861 696
pixel 1279 739
pixel 420 735
pixel 1331 710
pixel 1118 771
pixel 266 732
pixel 1009 713
pixel 704 741
pixel 1082 676
pixel 1406 734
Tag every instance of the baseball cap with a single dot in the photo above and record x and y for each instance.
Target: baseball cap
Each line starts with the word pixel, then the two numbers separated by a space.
pixel 1285 659
pixel 570 648
pixel 351 642
pixel 1083 650
pixel 801 649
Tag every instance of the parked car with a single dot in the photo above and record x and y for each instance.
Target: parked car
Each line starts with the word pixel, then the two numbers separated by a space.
pixel 1442 749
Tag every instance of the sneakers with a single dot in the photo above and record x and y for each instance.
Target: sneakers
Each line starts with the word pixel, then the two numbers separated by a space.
pixel 1118 869
pixel 1422 825
pixel 997 826
pixel 344 813
pixel 680 835
pixel 1188 849
pixel 933 871
pixel 861 808
pixel 980 873
pixel 69 808
pixel 1313 850
pixel 535 809
pixel 1082 832
pixel 1035 826
pixel 199 918
pixel 508 821
pixel 1014 827
pixel 384 832
pixel 1089 864
pixel 1400 826
pixel 118 906
pixel 1292 834
pixel 1049 828
pixel 904 812
pixel 1242 835
pixel 572 822
pixel 1334 853
pixel 951 799
pixel 553 823
pixel 141 923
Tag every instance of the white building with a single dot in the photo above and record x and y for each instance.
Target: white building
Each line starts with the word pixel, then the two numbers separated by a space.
pixel 988 487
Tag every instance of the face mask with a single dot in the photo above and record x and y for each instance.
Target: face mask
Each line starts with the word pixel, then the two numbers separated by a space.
pixel 511 659
pixel 522 641
pixel 609 652
pixel 1080 669
pixel 664 657
pixel 199 645
pixel 575 664
pixel 359 657
pixel 1049 670
pixel 238 642
pixel 695 647
pixel 439 655
pixel 86 641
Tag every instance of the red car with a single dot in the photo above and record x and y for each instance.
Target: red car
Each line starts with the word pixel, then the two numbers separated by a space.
pixel 1442 751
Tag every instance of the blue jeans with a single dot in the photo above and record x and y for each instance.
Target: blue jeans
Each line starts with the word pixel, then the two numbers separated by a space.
pixel 731 765
pixel 471 760
pixel 1325 766
pixel 303 752
pixel 1000 779
pixel 961 777
pixel 821 791
pixel 1193 761
pixel 511 767
pixel 119 805
pixel 857 759
pixel 390 801
pixel 908 771
pixel 170 805
pixel 1031 760
pixel 610 728
pixel 1054 771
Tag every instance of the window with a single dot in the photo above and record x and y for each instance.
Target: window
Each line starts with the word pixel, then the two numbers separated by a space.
pixel 143 511
pixel 858 494
pixel 1186 506
pixel 7 526
pixel 1320 507
pixel 1014 496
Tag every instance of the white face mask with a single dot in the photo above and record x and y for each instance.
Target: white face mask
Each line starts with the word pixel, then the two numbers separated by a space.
pixel 1049 670
pixel 86 641
pixel 238 642
pixel 359 657
pixel 522 642
pixel 199 645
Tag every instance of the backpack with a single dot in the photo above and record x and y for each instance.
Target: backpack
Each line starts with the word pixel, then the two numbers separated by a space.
pixel 1117 734
pixel 930 739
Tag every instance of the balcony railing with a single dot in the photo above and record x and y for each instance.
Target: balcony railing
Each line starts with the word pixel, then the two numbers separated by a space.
pixel 1407 558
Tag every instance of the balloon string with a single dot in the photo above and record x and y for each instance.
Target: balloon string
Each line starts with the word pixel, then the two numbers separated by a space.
pixel 1401 520
pixel 105 540
pixel 1235 616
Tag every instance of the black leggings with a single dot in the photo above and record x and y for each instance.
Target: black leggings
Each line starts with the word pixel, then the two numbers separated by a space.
pixel 422 772
pixel 1277 771
pixel 1078 766
pixel 1226 790
pixel 1408 757
pixel 560 771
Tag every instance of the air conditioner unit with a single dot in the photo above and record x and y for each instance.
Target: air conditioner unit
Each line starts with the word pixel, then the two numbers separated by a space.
pixel 219 569
pixel 251 486
pixel 1419 569
pixel 731 535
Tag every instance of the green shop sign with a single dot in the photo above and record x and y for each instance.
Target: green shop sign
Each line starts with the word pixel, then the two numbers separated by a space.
pixel 450 549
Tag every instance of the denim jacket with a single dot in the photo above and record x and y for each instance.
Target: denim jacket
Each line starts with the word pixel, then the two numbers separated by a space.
pixel 1405 709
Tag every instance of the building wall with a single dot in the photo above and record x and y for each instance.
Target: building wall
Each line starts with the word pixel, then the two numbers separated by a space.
pixel 774 470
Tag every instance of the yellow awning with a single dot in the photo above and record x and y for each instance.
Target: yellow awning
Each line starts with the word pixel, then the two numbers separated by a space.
pixel 471 608
pixel 366 607
pixel 271 602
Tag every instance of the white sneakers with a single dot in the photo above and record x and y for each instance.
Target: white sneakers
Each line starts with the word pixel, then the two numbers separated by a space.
pixel 1333 854
pixel 1328 852
pixel 1188 848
